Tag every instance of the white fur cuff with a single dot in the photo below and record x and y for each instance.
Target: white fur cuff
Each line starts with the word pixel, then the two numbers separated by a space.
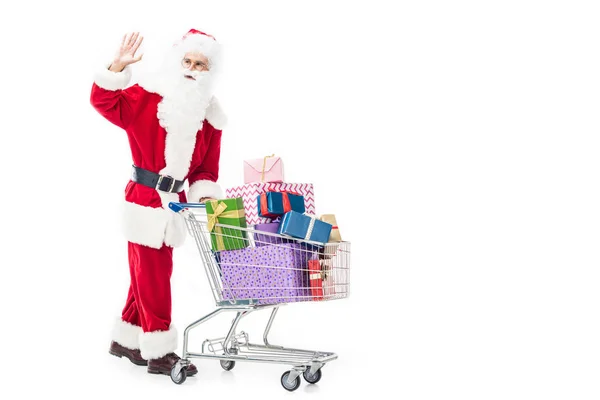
pixel 215 114
pixel 145 225
pixel 157 344
pixel 175 232
pixel 112 80
pixel 126 334
pixel 204 188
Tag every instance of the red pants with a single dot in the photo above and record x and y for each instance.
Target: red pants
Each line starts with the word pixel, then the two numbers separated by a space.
pixel 149 300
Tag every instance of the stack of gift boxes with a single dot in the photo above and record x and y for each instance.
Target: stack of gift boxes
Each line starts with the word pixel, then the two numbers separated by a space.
pixel 274 270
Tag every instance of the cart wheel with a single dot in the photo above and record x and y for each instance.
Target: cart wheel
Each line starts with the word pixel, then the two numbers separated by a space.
pixel 227 365
pixel 289 386
pixel 310 378
pixel 178 378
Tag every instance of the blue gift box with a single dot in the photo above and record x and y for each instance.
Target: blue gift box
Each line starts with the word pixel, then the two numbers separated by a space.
pixel 297 225
pixel 273 204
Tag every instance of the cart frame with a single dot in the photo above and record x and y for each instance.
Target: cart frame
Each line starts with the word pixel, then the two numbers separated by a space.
pixel 234 346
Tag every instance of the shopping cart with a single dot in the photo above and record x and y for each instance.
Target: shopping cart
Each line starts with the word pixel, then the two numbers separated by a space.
pixel 261 271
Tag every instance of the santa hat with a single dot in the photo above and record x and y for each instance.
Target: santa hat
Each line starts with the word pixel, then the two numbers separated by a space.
pixel 195 41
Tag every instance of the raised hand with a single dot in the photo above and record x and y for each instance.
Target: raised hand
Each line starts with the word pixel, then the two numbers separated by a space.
pixel 126 53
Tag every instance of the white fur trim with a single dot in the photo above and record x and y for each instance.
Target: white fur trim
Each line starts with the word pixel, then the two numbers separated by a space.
pixel 145 225
pixel 215 114
pixel 112 80
pixel 181 129
pixel 198 43
pixel 180 142
pixel 157 344
pixel 204 188
pixel 126 334
pixel 175 232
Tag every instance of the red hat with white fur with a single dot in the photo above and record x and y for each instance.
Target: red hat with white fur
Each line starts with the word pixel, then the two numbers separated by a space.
pixel 199 42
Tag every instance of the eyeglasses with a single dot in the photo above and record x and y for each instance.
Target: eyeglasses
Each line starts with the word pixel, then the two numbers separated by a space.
pixel 197 65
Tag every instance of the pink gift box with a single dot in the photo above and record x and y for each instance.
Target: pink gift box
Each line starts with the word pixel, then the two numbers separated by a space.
pixel 250 191
pixel 268 169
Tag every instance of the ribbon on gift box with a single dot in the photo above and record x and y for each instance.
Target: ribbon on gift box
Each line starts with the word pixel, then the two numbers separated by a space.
pixel 264 203
pixel 262 175
pixel 311 226
pixel 219 211
pixel 335 232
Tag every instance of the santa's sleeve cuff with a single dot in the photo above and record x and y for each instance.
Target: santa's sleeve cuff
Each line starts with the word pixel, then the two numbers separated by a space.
pixel 204 188
pixel 109 80
pixel 215 114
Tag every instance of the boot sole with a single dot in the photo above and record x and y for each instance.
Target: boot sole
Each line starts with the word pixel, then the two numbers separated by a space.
pixel 133 360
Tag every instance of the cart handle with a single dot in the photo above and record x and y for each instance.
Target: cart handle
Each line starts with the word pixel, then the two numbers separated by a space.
pixel 177 207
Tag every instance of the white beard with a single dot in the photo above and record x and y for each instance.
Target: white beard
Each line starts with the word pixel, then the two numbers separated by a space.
pixel 181 113
pixel 184 102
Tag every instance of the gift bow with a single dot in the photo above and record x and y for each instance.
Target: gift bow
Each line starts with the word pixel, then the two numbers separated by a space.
pixel 262 177
pixel 219 212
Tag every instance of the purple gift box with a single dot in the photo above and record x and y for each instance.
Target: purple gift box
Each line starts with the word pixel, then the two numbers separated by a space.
pixel 262 240
pixel 270 274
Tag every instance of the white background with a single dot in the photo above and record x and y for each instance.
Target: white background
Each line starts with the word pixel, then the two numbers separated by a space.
pixel 456 142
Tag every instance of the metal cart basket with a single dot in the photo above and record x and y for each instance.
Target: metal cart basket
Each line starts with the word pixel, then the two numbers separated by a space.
pixel 261 270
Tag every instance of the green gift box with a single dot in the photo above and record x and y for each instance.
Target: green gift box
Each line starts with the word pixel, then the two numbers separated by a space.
pixel 227 212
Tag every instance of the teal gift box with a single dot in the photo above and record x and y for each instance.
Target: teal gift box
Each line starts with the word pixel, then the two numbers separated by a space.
pixel 307 227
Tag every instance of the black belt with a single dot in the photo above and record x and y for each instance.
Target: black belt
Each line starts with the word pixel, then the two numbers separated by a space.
pixel 156 181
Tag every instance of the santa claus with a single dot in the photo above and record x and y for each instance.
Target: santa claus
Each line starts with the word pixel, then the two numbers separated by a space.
pixel 173 124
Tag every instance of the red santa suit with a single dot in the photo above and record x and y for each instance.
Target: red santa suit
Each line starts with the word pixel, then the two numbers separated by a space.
pixel 173 139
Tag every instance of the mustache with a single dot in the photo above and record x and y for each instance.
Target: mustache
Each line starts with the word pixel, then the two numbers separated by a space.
pixel 197 75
